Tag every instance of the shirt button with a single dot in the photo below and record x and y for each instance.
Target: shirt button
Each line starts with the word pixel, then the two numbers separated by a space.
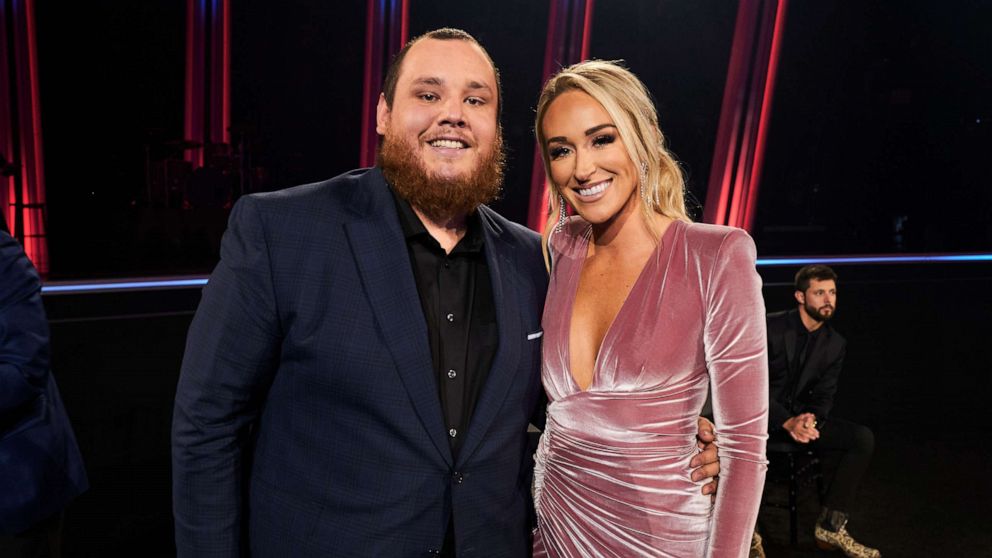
pixel 450 317
pixel 452 373
pixel 452 432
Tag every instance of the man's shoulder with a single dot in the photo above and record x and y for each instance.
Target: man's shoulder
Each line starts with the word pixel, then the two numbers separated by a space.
pixel 781 315
pixel 779 321
pixel 518 233
pixel 518 244
pixel 346 188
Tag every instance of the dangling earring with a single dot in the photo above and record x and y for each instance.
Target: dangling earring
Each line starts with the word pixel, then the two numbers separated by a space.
pixel 644 181
pixel 561 214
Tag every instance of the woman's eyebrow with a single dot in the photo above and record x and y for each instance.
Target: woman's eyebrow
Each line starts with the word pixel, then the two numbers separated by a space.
pixel 595 129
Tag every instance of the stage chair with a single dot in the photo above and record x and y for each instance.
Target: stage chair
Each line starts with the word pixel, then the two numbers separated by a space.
pixel 799 466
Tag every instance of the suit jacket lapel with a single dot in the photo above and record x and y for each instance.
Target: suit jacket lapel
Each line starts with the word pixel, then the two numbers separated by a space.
pixel 506 299
pixel 383 262
pixel 790 344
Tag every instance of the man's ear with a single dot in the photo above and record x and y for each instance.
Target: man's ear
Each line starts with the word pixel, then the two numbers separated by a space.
pixel 800 297
pixel 382 114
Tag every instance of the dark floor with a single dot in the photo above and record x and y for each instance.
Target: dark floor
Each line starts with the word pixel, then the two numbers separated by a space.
pixel 920 498
pixel 918 372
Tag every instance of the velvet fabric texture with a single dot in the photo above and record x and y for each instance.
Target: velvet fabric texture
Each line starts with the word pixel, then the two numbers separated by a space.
pixel 612 474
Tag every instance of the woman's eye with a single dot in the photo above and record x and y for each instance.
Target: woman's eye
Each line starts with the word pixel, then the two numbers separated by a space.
pixel 558 152
pixel 604 139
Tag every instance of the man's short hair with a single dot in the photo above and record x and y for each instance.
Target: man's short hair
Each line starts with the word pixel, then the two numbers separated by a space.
pixel 819 272
pixel 443 34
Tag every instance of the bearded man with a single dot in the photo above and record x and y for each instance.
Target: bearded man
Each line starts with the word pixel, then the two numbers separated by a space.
pixel 805 357
pixel 364 364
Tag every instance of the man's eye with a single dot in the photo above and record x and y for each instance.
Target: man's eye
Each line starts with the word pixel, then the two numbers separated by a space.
pixel 428 97
pixel 558 152
pixel 604 139
pixel 475 101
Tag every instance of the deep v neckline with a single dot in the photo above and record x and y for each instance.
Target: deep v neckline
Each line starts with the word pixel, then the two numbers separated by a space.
pixel 663 246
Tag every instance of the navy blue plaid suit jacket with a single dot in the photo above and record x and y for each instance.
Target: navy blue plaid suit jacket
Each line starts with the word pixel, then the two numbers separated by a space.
pixel 307 419
pixel 41 469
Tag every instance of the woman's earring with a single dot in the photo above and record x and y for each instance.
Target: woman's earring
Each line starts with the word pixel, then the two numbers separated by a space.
pixel 561 214
pixel 644 180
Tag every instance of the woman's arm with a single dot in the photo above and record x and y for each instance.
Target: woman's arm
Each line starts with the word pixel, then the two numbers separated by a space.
pixel 735 342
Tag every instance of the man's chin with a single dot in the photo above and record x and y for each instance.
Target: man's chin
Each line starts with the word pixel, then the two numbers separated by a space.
pixel 451 170
pixel 442 188
pixel 449 176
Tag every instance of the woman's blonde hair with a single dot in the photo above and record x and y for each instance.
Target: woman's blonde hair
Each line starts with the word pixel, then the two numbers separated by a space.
pixel 627 101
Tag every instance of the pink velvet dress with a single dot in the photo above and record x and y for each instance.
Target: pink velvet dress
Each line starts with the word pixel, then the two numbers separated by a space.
pixel 612 469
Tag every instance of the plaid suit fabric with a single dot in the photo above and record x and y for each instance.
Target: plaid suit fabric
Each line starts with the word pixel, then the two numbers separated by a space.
pixel 307 419
pixel 41 468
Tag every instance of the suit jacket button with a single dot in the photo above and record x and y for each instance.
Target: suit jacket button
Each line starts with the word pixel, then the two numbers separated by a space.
pixel 458 478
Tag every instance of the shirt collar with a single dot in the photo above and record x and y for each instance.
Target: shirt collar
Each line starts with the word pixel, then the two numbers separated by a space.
pixel 413 227
pixel 801 327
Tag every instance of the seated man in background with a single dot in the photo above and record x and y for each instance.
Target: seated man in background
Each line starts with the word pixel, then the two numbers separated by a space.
pixel 805 357
pixel 40 466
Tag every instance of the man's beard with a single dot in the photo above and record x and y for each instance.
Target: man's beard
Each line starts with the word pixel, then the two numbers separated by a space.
pixel 817 315
pixel 441 198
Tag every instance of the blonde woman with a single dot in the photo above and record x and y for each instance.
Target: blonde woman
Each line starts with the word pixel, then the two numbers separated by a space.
pixel 646 313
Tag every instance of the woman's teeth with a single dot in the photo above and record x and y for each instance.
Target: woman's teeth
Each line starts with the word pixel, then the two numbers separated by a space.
pixel 595 189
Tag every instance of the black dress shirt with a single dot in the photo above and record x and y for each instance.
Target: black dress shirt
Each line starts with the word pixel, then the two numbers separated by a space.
pixel 457 298
pixel 805 345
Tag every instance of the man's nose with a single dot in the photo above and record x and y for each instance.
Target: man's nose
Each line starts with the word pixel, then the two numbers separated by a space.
pixel 452 113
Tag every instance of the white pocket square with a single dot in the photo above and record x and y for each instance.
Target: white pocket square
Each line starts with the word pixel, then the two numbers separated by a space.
pixel 535 335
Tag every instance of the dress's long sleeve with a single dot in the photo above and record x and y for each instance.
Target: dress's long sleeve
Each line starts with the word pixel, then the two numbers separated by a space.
pixel 735 345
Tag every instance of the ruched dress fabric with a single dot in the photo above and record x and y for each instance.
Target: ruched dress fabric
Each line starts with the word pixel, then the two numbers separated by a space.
pixel 612 474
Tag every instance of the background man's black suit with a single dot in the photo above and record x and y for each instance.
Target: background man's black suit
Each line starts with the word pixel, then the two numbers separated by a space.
pixel 806 384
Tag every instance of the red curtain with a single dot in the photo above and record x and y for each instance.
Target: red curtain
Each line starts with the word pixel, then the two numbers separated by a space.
pixel 22 195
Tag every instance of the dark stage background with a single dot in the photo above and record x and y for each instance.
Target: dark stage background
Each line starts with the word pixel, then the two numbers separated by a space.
pixel 882 117
pixel 880 125
pixel 880 120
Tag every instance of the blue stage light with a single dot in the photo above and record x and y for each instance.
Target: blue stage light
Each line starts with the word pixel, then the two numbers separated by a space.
pixel 70 288
pixel 909 259
pixel 110 286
